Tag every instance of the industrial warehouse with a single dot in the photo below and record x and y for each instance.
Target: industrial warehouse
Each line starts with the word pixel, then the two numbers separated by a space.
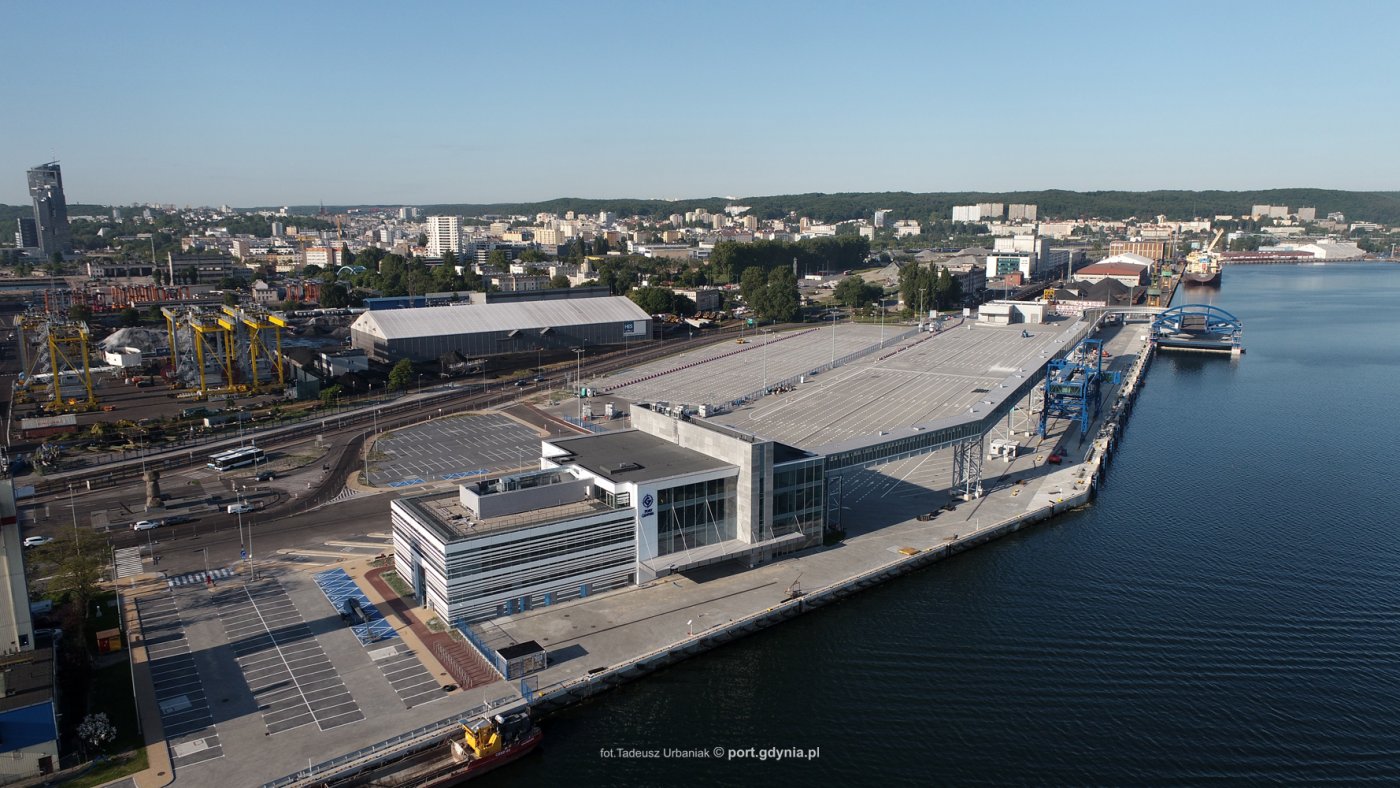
pixel 490 329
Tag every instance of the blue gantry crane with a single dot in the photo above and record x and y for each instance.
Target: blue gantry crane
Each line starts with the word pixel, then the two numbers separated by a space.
pixel 1072 385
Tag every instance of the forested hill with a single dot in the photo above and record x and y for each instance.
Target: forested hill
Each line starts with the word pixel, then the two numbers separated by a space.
pixel 1372 206
pixel 1381 207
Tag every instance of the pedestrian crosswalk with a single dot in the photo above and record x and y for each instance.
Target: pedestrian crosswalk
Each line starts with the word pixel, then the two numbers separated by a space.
pixel 192 578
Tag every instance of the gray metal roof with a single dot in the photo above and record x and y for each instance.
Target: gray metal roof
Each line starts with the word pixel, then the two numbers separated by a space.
pixel 478 318
pixel 633 455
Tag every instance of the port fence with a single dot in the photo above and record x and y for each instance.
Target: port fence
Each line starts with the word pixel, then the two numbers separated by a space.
pixel 494 659
pixel 387 750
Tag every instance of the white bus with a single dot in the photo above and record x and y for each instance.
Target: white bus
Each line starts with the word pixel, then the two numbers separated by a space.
pixel 236 458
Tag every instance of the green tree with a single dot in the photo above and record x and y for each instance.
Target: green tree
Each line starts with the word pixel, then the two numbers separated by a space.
pixel 560 282
pixel 751 284
pixel 230 298
pixel 498 259
pixel 654 300
pixel 533 255
pixel 333 296
pixel 130 317
pixel 76 564
pixel 854 291
pixel 779 299
pixel 401 375
pixel 330 394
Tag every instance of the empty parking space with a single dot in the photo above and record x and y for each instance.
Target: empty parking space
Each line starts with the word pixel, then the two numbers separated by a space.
pixel 184 706
pixel 291 679
pixel 406 674
pixel 458 447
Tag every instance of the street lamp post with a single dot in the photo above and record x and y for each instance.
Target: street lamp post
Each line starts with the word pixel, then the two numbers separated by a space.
pixel 72 507
pixel 241 544
pixel 833 339
pixel 767 337
pixel 578 378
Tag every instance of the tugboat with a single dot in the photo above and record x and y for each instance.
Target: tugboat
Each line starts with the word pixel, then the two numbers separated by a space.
pixel 1203 267
pixel 487 742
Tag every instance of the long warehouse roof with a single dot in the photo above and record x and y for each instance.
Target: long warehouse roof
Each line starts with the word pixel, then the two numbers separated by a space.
pixel 480 318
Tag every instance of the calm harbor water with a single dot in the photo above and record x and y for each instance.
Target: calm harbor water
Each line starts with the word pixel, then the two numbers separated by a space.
pixel 1227 611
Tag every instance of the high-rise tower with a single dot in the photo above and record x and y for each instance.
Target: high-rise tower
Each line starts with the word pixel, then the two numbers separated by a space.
pixel 50 209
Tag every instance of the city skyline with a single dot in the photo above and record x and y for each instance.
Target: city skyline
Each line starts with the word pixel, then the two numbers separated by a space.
pixel 207 106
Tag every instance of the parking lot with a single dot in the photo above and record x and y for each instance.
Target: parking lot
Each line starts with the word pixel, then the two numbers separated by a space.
pixel 285 667
pixel 254 679
pixel 180 694
pixel 456 447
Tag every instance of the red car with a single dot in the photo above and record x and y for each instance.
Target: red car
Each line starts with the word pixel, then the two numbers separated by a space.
pixel 1054 459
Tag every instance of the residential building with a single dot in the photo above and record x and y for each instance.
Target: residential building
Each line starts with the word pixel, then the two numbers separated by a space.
pixel 50 210
pixel 906 227
pixel 323 256
pixel 444 235
pixel 881 216
pixel 1017 212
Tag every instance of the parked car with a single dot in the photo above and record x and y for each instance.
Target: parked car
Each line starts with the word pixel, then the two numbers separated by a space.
pixel 178 518
pixel 240 508
pixel 1055 459
pixel 264 476
pixel 35 541
pixel 145 525
pixel 926 516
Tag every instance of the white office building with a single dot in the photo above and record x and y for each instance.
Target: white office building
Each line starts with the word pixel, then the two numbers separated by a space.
pixel 606 511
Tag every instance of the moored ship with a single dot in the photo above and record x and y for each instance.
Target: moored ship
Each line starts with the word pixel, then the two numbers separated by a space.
pixel 1203 267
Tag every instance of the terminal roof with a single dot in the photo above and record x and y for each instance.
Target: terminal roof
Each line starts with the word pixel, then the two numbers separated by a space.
pixel 632 455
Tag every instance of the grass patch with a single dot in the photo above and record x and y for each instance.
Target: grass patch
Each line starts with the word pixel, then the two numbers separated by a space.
pixel 435 625
pixel 119 766
pixel 111 694
pixel 397 583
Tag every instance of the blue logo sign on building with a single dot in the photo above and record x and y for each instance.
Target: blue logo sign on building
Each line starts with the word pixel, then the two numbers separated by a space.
pixel 647 501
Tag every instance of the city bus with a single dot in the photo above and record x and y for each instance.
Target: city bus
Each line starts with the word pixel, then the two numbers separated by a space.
pixel 236 458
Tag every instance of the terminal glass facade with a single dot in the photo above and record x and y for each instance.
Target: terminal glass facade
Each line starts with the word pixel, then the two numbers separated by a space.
pixel 696 514
pixel 799 497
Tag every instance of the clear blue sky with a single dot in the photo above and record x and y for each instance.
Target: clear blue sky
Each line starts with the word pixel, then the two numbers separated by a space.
pixel 253 103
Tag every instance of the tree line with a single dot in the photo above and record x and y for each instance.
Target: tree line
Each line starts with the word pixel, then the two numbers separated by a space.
pixel 832 253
